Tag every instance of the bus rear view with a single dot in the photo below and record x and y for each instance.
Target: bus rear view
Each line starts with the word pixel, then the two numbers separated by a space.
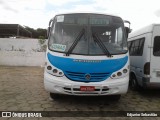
pixel 87 55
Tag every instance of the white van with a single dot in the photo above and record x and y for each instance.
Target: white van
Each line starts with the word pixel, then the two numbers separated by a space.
pixel 144 47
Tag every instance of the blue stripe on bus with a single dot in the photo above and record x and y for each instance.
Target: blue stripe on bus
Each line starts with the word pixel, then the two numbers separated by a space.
pixel 104 66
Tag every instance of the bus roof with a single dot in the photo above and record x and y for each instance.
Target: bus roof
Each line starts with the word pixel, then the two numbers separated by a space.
pixel 143 30
pixel 88 13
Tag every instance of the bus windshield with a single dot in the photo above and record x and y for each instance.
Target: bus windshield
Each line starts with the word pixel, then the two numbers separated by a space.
pixel 67 28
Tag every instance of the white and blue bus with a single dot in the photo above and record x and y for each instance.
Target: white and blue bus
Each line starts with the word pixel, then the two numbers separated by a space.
pixel 87 54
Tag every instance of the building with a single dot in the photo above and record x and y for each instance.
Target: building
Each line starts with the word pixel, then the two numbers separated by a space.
pixel 13 30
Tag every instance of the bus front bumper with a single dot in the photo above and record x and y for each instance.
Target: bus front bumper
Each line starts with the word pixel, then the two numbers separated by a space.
pixel 61 85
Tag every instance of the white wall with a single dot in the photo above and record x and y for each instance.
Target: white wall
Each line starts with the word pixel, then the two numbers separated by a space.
pixel 21 52
pixel 11 44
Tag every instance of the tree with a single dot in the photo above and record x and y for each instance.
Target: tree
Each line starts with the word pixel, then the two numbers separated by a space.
pixel 36 33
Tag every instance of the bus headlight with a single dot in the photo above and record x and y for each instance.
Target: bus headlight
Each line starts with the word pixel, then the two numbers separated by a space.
pixel 54 71
pixel 113 75
pixel 120 73
pixel 125 70
pixel 60 73
pixel 49 67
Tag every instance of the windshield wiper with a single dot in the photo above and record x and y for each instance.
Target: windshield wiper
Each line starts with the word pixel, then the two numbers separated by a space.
pixel 75 42
pixel 102 46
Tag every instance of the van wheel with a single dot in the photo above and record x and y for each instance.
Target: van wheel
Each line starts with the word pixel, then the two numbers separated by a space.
pixel 54 96
pixel 133 83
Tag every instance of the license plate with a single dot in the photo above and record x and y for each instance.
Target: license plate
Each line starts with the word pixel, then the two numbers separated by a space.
pixel 87 88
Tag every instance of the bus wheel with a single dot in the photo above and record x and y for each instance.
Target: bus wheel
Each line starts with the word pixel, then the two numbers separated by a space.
pixel 115 97
pixel 54 96
pixel 133 83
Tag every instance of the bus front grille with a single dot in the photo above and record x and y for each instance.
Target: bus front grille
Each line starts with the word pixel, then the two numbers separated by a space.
pixel 81 77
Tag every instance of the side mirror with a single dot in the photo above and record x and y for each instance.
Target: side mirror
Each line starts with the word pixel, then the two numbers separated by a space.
pixel 48 31
pixel 49 28
pixel 128 30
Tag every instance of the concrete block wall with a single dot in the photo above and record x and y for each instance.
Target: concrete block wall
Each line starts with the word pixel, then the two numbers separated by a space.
pixel 21 52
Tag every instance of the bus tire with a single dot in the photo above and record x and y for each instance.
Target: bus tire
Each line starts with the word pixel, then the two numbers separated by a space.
pixel 115 97
pixel 54 96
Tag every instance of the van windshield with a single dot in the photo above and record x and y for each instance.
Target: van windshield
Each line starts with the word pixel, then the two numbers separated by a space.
pixel 109 29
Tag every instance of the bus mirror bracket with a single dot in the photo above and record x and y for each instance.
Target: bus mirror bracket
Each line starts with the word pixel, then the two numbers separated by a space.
pixel 48 31
pixel 128 30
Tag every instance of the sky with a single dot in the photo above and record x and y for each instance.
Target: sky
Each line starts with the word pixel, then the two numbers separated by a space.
pixel 37 13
